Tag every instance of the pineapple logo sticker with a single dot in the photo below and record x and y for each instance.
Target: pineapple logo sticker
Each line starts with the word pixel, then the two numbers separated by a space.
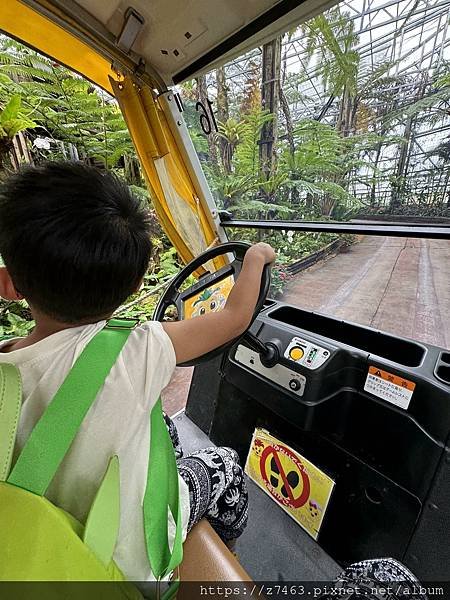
pixel 285 476
pixel 209 301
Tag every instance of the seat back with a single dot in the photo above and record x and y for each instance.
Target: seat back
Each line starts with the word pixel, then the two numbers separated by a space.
pixel 207 558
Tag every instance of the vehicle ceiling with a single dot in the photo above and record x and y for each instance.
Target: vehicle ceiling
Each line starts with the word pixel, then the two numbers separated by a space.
pixel 182 38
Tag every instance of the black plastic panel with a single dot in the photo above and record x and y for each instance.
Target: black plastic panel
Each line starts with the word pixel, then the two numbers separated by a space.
pixel 387 460
pixel 368 514
pixel 203 393
pixel 431 536
pixel 372 341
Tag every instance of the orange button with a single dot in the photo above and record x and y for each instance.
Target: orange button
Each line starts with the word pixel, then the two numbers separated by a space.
pixel 296 353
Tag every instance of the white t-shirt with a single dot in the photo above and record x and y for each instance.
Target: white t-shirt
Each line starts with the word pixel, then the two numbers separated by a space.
pixel 118 423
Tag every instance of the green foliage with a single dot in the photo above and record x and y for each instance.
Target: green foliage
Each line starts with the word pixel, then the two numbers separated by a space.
pixel 304 181
pixel 141 194
pixel 168 265
pixel 313 171
pixel 39 93
pixel 247 153
pixel 236 181
pixel 16 326
pixel 164 265
pixel 13 119
pixel 333 36
pixel 279 279
pixel 51 102
pixel 15 319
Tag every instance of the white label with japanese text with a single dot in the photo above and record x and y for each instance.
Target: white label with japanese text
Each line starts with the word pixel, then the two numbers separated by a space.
pixel 389 387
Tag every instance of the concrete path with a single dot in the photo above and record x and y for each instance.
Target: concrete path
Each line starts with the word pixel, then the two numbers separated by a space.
pixel 398 285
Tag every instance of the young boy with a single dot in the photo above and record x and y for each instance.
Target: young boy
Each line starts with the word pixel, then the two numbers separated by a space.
pixel 76 244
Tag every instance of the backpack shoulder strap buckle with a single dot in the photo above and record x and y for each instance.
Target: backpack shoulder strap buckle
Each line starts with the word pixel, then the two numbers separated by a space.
pixel 122 323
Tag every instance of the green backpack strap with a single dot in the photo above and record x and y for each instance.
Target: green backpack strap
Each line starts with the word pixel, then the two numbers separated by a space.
pixel 55 431
pixel 162 495
pixel 10 405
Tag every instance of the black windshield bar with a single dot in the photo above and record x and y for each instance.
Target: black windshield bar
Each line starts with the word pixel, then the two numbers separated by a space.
pixel 435 231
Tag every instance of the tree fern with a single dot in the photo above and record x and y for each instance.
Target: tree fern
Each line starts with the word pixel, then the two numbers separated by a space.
pixel 67 107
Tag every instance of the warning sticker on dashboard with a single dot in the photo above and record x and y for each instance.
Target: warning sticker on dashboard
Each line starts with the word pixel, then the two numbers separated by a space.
pixel 300 488
pixel 389 387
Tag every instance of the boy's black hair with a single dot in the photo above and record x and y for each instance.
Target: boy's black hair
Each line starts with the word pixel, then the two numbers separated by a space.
pixel 75 241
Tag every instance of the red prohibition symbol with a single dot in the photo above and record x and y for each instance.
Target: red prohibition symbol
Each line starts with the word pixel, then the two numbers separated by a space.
pixel 293 500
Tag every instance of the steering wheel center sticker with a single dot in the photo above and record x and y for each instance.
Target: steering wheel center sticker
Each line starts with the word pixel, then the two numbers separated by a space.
pixel 210 299
pixel 292 481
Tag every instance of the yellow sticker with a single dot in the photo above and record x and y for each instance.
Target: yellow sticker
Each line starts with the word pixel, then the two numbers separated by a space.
pixel 211 299
pixel 293 482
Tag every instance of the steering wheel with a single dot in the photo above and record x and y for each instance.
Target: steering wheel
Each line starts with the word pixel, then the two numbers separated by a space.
pixel 173 297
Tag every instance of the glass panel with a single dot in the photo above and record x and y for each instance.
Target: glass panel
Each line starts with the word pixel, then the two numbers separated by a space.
pixel 397 285
pixel 344 117
pixel 347 118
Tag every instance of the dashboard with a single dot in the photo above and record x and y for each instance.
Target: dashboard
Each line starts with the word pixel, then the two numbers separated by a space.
pixel 370 410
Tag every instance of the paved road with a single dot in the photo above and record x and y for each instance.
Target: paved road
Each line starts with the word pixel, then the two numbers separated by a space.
pixel 399 285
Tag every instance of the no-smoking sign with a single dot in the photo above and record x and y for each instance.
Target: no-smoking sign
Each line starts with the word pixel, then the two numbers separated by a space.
pixel 299 487
pixel 285 476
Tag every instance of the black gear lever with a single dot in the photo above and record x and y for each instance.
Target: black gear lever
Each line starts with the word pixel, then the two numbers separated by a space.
pixel 269 352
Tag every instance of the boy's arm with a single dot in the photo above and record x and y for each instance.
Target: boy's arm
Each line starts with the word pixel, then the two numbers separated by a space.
pixel 195 337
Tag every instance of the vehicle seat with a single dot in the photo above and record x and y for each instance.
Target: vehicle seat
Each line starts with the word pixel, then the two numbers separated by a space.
pixel 207 558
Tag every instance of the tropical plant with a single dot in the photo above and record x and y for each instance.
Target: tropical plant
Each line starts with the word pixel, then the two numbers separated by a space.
pixel 15 318
pixel 66 110
pixel 13 119
pixel 333 37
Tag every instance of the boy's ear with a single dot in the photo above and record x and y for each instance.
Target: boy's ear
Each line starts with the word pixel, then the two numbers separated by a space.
pixel 7 289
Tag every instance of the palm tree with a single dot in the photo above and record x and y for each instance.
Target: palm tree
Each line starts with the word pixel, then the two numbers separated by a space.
pixel 332 36
pixel 270 99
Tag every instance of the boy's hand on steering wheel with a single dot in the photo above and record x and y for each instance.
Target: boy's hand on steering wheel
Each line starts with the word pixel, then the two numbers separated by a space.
pixel 195 338
pixel 263 251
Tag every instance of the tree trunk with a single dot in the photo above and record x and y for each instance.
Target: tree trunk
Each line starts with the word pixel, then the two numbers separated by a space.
pixel 5 157
pixel 346 126
pixel 223 114
pixel 346 123
pixel 131 170
pixel 202 96
pixel 270 99
pixel 398 185
pixel 374 183
pixel 405 152
pixel 295 196
pixel 285 105
pixel 288 118
pixel 445 195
